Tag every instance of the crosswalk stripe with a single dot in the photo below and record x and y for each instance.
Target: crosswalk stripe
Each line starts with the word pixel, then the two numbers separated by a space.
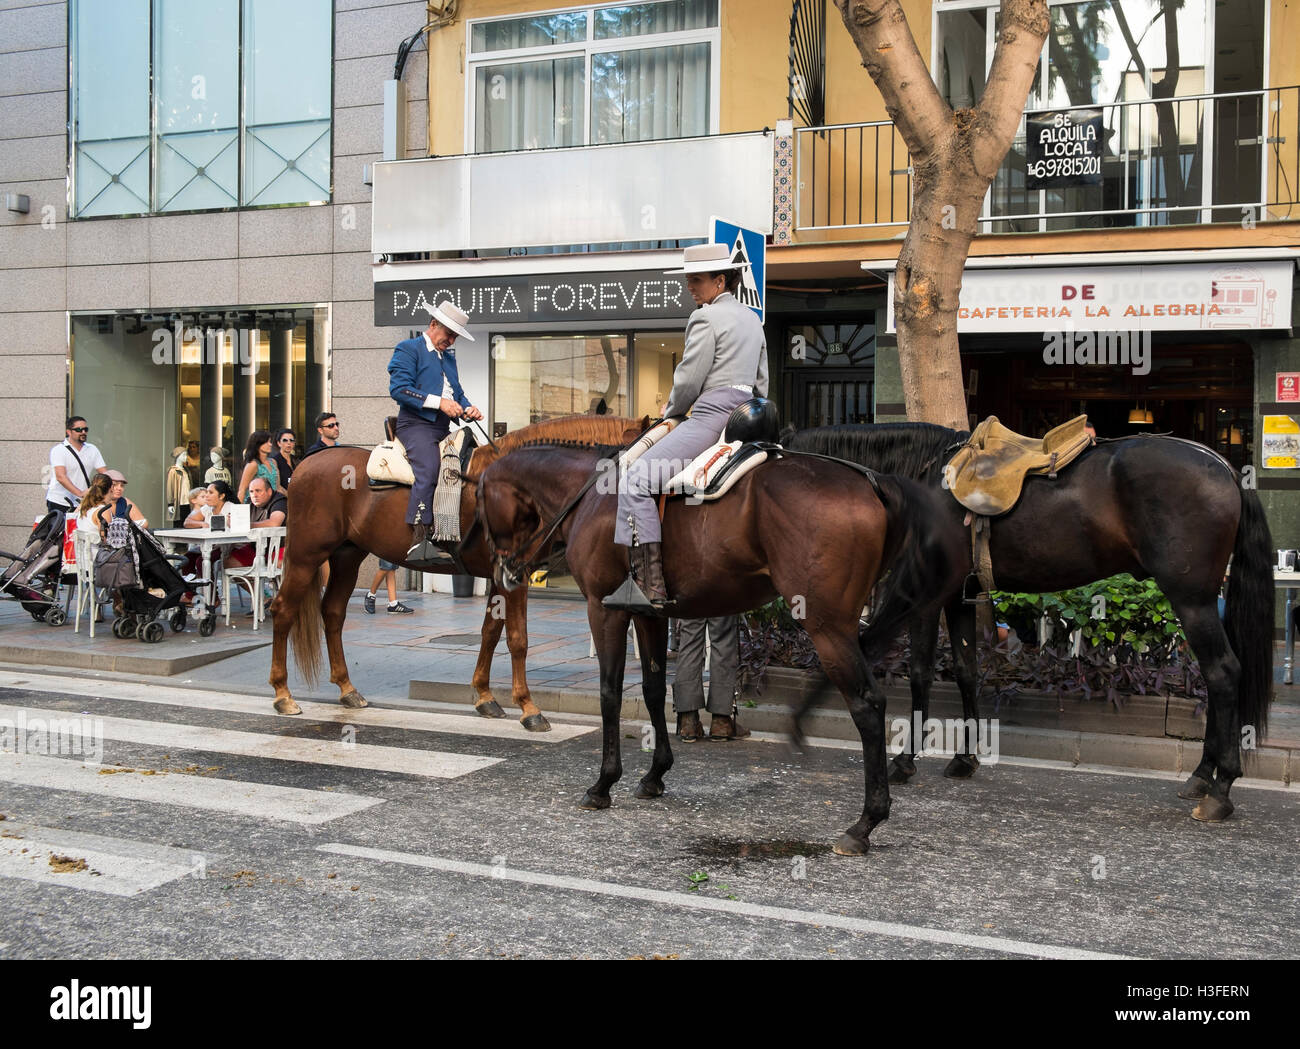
pixel 429 763
pixel 204 699
pixel 115 866
pixel 237 797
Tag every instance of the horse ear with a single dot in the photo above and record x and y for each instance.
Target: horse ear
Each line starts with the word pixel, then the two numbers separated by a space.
pixel 633 432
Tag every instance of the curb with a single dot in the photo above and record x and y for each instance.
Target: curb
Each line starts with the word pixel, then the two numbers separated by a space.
pixel 1076 747
pixel 124 662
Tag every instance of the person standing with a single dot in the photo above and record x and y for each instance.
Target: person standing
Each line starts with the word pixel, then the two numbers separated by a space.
pixel 688 678
pixel 327 433
pixel 258 462
pixel 285 444
pixel 723 365
pixel 72 466
pixel 426 385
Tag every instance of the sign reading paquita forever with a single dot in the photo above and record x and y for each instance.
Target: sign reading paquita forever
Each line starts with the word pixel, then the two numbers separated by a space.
pixel 1063 148
pixel 536 298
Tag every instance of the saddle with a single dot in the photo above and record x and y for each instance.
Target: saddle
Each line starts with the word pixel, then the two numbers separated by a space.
pixel 388 466
pixel 988 473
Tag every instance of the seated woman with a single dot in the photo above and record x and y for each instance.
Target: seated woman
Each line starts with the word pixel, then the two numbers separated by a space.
pixel 212 503
pixel 106 492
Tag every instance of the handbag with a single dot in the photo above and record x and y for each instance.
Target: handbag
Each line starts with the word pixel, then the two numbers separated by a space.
pixel 115 567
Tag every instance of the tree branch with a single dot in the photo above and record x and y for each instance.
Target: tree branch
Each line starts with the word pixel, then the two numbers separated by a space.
pixel 879 29
pixel 1015 62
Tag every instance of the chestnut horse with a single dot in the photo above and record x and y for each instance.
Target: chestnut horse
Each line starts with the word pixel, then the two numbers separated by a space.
pixel 818 533
pixel 334 516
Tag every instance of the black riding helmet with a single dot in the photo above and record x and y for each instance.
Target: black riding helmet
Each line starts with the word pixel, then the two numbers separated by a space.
pixel 755 420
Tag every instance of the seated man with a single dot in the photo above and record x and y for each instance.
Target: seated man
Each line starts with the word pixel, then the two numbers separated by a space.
pixel 426 385
pixel 268 511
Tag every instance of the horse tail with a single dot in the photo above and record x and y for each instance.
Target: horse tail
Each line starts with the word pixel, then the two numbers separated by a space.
pixel 924 560
pixel 1248 615
pixel 306 630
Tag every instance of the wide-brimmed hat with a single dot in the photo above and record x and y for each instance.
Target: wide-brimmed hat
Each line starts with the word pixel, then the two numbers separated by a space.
pixel 451 317
pixel 708 258
pixel 114 475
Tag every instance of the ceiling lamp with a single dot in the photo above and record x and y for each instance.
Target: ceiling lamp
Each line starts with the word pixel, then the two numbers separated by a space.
pixel 1137 417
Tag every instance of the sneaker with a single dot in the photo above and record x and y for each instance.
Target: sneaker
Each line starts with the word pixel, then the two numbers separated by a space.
pixel 370 603
pixel 399 609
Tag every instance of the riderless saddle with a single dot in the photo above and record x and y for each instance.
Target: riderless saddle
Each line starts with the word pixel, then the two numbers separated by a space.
pixel 986 476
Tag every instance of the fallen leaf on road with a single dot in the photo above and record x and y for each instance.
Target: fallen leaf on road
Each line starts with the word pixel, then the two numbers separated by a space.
pixel 66 864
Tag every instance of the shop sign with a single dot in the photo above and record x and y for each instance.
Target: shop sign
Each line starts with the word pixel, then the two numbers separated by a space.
pixel 1288 386
pixel 1192 297
pixel 1281 444
pixel 538 298
pixel 1063 148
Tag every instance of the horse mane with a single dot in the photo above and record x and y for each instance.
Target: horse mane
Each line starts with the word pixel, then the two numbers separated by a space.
pixel 914 450
pixel 570 431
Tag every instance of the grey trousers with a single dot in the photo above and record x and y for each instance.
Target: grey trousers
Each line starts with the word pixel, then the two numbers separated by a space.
pixel 645 478
pixel 724 663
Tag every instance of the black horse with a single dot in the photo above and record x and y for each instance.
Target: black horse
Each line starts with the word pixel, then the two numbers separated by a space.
pixel 1156 507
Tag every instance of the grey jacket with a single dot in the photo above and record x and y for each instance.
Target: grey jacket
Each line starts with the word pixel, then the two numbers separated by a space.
pixel 724 347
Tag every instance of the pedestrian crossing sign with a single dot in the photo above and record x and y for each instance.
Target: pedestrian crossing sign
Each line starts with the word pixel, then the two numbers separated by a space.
pixel 747 245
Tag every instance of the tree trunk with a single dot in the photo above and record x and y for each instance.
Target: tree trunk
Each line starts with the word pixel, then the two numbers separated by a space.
pixel 954 157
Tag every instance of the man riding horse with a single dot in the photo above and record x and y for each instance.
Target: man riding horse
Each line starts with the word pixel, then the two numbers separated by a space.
pixel 425 384
pixel 723 366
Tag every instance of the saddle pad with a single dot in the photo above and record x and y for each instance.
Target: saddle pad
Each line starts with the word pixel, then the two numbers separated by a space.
pixel 714 472
pixel 987 474
pixel 388 463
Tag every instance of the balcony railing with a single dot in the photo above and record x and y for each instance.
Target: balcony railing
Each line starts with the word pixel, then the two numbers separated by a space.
pixel 1189 159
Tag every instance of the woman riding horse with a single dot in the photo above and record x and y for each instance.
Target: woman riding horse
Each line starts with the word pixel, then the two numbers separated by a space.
pixel 724 365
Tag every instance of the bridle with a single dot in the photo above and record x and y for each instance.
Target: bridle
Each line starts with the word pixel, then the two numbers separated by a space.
pixel 512 564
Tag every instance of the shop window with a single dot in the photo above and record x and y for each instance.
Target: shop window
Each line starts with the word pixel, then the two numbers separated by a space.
pixel 546 376
pixel 170 97
pixel 151 382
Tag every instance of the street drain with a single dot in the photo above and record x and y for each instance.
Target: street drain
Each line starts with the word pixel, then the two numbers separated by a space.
pixel 456 639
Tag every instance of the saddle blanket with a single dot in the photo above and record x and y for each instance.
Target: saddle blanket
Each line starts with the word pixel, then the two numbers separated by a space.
pixel 388 465
pixel 715 471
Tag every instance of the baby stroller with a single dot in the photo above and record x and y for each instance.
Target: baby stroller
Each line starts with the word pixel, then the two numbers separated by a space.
pixel 35 575
pixel 145 584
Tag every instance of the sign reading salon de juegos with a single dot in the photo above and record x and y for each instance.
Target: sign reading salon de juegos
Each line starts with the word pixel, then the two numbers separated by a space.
pixel 538 298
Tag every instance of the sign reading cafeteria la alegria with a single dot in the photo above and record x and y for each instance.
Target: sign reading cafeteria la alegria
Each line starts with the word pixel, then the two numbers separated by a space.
pixel 1063 148
pixel 538 298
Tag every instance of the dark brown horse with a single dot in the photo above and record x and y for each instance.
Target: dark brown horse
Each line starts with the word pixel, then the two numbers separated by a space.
pixel 817 533
pixel 335 517
pixel 1155 507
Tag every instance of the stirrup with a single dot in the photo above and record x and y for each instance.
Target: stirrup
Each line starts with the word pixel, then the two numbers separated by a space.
pixel 629 597
pixel 426 554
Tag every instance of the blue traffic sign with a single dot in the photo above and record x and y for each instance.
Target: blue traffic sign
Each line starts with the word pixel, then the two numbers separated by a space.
pixel 750 246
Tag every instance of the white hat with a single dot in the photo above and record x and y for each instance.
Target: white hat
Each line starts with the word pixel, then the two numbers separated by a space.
pixel 708 258
pixel 451 317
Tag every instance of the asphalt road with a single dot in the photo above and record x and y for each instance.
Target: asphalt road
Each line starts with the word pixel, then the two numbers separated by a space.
pixel 433 833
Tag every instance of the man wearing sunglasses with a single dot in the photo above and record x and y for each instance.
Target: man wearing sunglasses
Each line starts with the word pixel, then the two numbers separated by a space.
pixel 327 433
pixel 72 465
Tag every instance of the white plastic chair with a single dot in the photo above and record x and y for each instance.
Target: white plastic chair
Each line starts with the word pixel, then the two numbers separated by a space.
pixel 266 568
pixel 84 542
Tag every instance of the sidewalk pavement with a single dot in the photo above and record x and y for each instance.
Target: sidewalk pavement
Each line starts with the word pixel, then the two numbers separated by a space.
pixel 430 656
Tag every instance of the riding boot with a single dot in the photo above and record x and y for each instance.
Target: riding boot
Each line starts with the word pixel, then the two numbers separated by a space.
pixel 424 554
pixel 643 592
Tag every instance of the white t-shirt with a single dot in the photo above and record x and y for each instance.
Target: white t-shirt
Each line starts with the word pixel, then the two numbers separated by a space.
pixel 62 455
pixel 446 383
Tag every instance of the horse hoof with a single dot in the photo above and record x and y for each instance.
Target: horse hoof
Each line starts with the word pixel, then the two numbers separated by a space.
pixel 848 845
pixel 901 769
pixel 1194 789
pixel 962 766
pixel 353 699
pixel 648 789
pixel 1212 809
pixel 287 706
pixel 590 801
pixel 538 723
pixel 489 708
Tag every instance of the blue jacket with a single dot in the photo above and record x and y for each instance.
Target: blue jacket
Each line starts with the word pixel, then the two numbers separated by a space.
pixel 416 372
